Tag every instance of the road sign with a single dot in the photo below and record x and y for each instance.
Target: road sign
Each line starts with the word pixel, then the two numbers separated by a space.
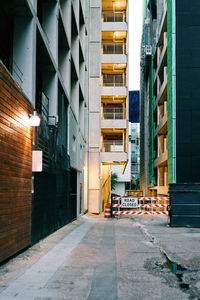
pixel 129 202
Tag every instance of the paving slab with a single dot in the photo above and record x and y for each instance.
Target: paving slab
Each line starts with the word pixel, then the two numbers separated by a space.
pixel 94 258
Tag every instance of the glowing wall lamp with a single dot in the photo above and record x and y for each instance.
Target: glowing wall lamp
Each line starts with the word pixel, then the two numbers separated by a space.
pixel 34 119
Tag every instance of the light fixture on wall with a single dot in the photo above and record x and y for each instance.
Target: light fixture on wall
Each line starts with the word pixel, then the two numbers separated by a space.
pixel 34 119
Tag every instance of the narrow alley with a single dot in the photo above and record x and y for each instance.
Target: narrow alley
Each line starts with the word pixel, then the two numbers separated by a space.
pixel 93 258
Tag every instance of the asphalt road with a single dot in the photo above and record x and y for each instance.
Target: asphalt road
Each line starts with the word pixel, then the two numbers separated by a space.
pixel 95 258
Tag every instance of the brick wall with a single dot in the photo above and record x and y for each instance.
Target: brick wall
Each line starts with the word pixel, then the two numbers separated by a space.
pixel 15 168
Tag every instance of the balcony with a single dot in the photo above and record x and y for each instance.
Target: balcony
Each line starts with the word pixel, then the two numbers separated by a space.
pixel 114 80
pixel 162 22
pixel 114 53
pixel 114 20
pixel 112 146
pixel 112 91
pixel 162 58
pixel 161 160
pixel 113 118
pixel 159 191
pixel 114 16
pixel 113 48
pixel 112 152
pixel 162 95
pixel 162 126
pixel 115 113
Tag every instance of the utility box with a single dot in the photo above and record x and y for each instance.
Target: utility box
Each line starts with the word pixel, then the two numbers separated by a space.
pixel 184 205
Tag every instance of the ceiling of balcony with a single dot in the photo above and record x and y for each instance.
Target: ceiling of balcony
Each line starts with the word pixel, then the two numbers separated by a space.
pixel 113 68
pixel 112 134
pixel 112 5
pixel 114 36
pixel 113 99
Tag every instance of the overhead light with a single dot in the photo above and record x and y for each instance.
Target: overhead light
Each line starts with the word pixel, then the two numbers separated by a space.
pixel 116 33
pixel 34 119
pixel 117 4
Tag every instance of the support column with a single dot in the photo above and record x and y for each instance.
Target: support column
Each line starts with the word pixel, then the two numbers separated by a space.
pixel 95 107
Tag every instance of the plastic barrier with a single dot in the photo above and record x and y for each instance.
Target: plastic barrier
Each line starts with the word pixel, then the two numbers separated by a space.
pixel 107 213
pixel 117 207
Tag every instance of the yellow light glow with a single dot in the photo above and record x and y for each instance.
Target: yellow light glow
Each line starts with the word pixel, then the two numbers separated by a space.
pixel 34 119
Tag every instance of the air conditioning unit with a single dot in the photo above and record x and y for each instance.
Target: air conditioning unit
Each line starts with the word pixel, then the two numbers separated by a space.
pixel 148 50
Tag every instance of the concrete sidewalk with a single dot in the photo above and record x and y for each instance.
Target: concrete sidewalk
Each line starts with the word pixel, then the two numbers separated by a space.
pixel 94 258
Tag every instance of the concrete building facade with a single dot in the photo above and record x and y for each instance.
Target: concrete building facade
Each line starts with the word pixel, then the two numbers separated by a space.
pixel 134 119
pixel 108 95
pixel 130 179
pixel 169 87
pixel 44 66
pixel 135 156
pixel 122 178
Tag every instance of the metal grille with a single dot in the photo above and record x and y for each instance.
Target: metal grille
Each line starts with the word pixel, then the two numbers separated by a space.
pixel 113 113
pixel 44 107
pixel 114 16
pixel 43 146
pixel 114 48
pixel 114 80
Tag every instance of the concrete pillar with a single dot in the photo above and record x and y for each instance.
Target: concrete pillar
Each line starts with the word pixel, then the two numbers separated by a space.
pixel 95 107
pixel 24 55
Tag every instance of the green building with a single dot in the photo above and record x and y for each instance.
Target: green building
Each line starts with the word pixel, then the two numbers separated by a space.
pixel 169 106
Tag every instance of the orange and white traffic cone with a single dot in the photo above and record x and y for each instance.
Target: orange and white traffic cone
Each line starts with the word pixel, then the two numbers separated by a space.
pixel 107 213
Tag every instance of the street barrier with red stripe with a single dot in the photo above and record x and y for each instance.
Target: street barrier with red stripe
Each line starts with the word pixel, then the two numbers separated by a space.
pixel 145 205
pixel 128 212
pixel 140 212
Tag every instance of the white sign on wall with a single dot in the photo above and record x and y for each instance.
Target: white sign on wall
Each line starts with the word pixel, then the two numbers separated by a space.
pixel 36 161
pixel 129 202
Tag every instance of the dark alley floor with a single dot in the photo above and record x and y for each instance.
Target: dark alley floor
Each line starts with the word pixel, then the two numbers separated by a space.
pixel 95 258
